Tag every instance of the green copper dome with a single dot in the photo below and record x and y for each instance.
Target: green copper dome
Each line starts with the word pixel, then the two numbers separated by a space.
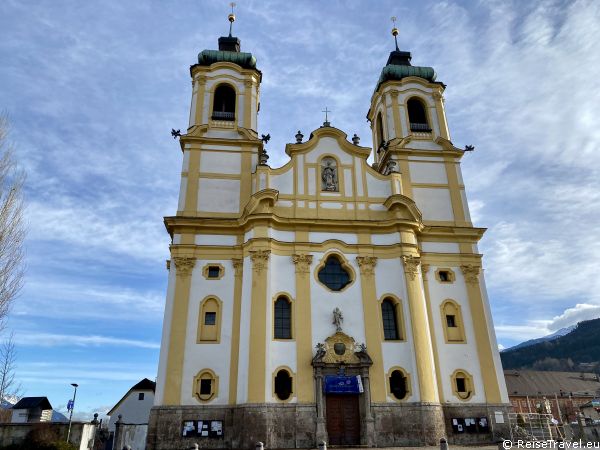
pixel 398 67
pixel 245 60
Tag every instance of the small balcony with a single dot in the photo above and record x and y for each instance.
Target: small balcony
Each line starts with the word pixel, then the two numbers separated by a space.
pixel 223 115
pixel 420 127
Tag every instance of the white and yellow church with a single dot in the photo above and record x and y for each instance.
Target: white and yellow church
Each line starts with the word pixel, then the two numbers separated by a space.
pixel 329 299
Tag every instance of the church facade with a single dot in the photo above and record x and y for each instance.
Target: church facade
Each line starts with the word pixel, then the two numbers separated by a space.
pixel 328 299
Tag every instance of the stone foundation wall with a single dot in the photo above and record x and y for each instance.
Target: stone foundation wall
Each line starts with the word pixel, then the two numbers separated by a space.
pixel 276 425
pixel 294 426
pixel 496 430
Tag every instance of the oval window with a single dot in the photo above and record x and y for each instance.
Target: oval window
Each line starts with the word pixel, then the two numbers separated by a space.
pixel 398 384
pixel 283 385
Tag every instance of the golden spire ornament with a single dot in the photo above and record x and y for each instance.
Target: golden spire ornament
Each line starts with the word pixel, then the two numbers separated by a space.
pixel 231 18
pixel 395 32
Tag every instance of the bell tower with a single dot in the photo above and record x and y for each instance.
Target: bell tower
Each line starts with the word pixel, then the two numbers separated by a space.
pixel 221 148
pixel 407 102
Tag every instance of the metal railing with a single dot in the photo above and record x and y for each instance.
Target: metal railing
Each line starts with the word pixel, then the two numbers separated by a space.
pixel 223 115
pixel 423 127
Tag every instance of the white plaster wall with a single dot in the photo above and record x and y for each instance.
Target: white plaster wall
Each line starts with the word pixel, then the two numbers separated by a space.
pixel 285 203
pixel 284 182
pixel 312 184
pixel 220 162
pixel 249 235
pixel 224 134
pixel 331 205
pixel 463 195
pixel 182 190
pixel 360 189
pixel 216 357
pixel 240 108
pixel 377 187
pixel 177 238
pixel 440 247
pixel 328 146
pixel 435 204
pixel 281 235
pixel 134 411
pixel 279 353
pixel 299 167
pixel 455 356
pixel 318 237
pixel 193 104
pixel 218 195
pixel 386 239
pixel 421 172
pixel 397 353
pixel 324 301
pixel 165 340
pixel 424 145
pixel 185 165
pixel 215 239
pixel 348 182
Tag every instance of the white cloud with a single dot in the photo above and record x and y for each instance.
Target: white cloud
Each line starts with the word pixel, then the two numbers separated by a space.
pixel 571 316
pixel 55 340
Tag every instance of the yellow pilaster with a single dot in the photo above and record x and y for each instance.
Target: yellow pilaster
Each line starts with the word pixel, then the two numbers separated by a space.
pixel 191 192
pixel 456 200
pixel 258 329
pixel 441 117
pixel 482 337
pixel 200 101
pixel 372 326
pixel 420 330
pixel 174 373
pixel 396 114
pixel 248 104
pixel 238 265
pixel 305 392
pixel 436 357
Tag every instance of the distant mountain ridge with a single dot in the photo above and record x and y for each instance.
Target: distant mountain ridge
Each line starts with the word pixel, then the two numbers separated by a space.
pixel 550 337
pixel 577 350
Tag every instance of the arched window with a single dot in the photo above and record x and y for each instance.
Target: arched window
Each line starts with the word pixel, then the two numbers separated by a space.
pixel 398 384
pixel 224 103
pixel 389 317
pixel 452 322
pixel 209 321
pixel 283 385
pixel 417 115
pixel 206 385
pixel 462 384
pixel 283 318
pixel 333 274
pixel 379 131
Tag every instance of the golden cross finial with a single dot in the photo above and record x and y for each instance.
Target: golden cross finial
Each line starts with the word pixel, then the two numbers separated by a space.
pixel 231 17
pixel 395 32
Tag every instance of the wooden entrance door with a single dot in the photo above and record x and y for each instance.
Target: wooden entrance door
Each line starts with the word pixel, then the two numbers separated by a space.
pixel 343 419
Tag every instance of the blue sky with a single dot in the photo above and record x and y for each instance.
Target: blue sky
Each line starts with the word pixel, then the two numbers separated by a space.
pixel 93 90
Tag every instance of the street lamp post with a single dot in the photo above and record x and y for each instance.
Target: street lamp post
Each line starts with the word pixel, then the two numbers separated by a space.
pixel 75 385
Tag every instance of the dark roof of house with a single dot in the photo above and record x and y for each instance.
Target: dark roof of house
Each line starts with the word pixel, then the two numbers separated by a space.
pixel 144 385
pixel 33 402
pixel 535 382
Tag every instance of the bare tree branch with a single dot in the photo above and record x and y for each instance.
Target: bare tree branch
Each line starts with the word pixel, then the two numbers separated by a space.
pixel 12 230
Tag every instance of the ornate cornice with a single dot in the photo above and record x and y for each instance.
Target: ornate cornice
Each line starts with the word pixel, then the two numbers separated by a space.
pixel 366 264
pixel 238 266
pixel 184 265
pixel 411 265
pixel 260 259
pixel 471 273
pixel 302 262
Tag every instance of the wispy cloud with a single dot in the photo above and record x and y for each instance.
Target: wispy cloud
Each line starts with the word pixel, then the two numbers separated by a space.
pixel 55 340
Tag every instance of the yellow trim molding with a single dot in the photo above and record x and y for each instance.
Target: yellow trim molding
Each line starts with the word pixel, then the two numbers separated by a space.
pixel 292 377
pixel 209 265
pixel 399 313
pixel 464 396
pixel 456 334
pixel 408 384
pixel 206 374
pixel 209 334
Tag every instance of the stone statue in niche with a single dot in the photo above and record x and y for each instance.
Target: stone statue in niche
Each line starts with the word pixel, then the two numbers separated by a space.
pixel 329 175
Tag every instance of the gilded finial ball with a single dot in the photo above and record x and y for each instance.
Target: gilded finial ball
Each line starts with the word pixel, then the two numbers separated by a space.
pixel 231 17
pixel 394 31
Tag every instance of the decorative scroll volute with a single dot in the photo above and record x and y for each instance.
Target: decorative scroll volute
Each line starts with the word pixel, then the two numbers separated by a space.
pixel 471 273
pixel 238 266
pixel 367 264
pixel 184 265
pixel 302 262
pixel 411 265
pixel 260 259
